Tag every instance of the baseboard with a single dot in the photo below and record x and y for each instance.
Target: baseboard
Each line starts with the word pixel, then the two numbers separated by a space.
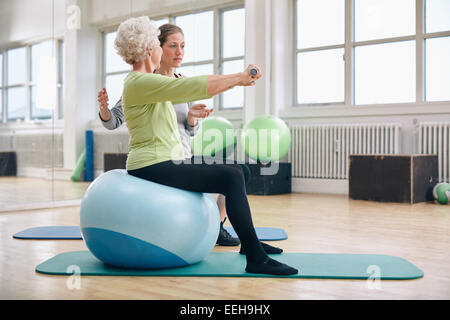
pixel 45 173
pixel 30 172
pixel 327 186
pixel 40 205
pixel 97 173
pixel 59 174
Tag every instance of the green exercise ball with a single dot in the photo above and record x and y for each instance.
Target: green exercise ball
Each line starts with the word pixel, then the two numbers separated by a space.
pixel 266 138
pixel 215 136
pixel 441 192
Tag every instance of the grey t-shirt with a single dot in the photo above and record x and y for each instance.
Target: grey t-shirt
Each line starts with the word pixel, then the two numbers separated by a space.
pixel 181 109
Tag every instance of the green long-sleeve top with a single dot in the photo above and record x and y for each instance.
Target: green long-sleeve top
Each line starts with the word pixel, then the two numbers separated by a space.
pixel 151 118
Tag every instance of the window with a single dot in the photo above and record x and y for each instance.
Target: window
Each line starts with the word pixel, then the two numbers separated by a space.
pixel 437 16
pixel 199 45
pixel 41 63
pixel 116 69
pixel 329 85
pixel 437 72
pixel 61 76
pixel 29 82
pixel 320 51
pixel 1 87
pixel 206 55
pixel 232 55
pixel 15 84
pixel 437 50
pixel 369 57
pixel 204 52
pixel 378 19
pixel 385 72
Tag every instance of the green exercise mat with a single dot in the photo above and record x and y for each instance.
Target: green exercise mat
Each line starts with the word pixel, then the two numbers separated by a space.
pixel 231 264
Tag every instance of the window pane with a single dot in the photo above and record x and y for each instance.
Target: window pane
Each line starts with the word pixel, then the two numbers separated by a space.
pixel 61 87
pixel 114 87
pixel 1 70
pixel 377 19
pixel 234 33
pixel 15 103
pixel 113 62
pixel 199 70
pixel 437 69
pixel 16 66
pixel 320 23
pixel 160 22
pixel 437 15
pixel 320 76
pixel 385 73
pixel 1 106
pixel 198 35
pixel 234 97
pixel 62 61
pixel 38 113
pixel 61 102
pixel 38 53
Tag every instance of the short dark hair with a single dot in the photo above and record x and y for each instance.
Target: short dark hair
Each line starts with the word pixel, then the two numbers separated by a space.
pixel 166 30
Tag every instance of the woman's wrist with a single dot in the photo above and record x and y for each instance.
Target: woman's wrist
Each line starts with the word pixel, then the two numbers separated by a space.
pixel 192 121
pixel 243 78
pixel 105 115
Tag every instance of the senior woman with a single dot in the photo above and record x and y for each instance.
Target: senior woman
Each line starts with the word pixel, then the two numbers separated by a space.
pixel 155 151
pixel 171 38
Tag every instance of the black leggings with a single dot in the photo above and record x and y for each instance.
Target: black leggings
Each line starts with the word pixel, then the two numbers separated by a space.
pixel 226 179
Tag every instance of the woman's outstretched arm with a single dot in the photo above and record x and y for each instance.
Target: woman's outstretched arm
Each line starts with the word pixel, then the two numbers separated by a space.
pixel 221 83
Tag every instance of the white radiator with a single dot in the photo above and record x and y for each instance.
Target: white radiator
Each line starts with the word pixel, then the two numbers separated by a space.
pixel 434 138
pixel 321 151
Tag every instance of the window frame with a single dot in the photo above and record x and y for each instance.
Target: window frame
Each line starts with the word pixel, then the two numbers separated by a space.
pixel 28 84
pixel 104 73
pixel 349 55
pixel 217 59
pixel 221 59
pixel 3 98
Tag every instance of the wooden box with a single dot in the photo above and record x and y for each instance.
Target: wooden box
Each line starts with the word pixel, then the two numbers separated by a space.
pixel 8 163
pixel 259 184
pixel 114 161
pixel 278 183
pixel 393 178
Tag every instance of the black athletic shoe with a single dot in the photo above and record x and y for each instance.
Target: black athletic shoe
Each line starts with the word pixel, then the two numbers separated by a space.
pixel 225 239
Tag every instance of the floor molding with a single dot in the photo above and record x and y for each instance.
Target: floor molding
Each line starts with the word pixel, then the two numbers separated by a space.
pixel 40 205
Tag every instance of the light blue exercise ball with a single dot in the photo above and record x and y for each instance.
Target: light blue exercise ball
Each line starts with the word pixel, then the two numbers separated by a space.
pixel 134 223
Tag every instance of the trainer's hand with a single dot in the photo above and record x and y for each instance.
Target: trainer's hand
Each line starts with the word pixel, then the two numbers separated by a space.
pixel 198 111
pixel 103 99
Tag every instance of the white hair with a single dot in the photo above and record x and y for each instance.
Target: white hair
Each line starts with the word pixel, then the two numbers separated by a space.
pixel 134 36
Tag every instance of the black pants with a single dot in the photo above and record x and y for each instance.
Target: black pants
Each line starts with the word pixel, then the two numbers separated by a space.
pixel 227 179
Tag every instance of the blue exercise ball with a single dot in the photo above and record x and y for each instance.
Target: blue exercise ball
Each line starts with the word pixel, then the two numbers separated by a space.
pixel 134 223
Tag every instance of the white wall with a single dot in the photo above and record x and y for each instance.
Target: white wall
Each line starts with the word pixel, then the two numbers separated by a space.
pixel 29 20
pixel 106 12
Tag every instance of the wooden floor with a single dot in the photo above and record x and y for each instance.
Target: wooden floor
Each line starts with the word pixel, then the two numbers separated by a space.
pixel 314 223
pixel 20 191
